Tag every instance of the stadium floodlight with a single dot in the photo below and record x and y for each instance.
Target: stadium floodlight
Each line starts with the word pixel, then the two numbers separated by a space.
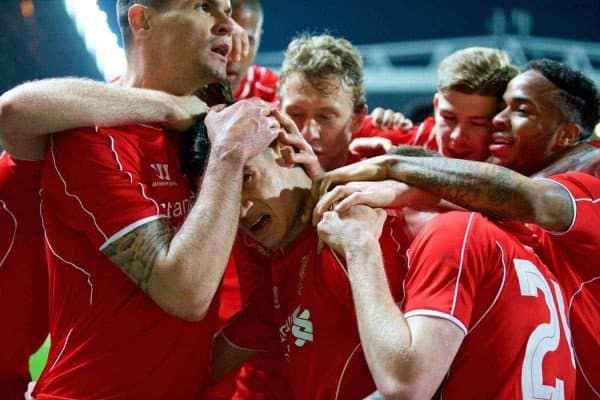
pixel 100 41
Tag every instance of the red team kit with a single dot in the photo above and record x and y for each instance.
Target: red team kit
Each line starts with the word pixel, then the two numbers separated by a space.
pixel 537 314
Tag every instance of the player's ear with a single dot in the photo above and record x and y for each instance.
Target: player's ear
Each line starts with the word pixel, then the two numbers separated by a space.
pixel 436 100
pixel 568 134
pixel 358 117
pixel 139 18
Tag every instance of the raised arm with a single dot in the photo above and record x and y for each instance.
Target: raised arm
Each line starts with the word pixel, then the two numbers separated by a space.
pixel 29 112
pixel 490 189
pixel 408 358
pixel 181 270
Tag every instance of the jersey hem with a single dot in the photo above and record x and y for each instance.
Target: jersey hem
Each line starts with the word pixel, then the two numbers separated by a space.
pixel 437 314
pixel 128 229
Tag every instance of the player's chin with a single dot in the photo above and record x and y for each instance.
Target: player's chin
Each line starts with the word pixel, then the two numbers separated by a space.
pixel 217 72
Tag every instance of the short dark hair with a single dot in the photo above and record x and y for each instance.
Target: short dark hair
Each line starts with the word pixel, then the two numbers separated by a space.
pixel 253 5
pixel 123 18
pixel 194 148
pixel 578 97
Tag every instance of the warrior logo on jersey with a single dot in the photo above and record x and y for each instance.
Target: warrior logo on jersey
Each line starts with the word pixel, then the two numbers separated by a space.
pixel 162 170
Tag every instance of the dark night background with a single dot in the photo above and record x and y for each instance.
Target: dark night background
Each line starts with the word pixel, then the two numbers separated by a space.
pixel 47 44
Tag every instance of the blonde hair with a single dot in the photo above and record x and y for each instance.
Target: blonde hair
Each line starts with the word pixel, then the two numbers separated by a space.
pixel 323 57
pixel 476 70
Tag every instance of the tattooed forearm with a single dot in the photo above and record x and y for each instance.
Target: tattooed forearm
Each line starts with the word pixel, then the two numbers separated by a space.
pixel 136 252
pixel 479 186
pixel 413 151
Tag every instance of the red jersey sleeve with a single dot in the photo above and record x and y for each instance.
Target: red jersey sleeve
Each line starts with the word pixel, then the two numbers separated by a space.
pixel 258 82
pixel 92 180
pixel 396 136
pixel 594 143
pixel 253 328
pixel 581 239
pixel 443 275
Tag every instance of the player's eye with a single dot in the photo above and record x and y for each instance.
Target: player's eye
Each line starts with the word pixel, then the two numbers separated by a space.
pixel 248 175
pixel 204 6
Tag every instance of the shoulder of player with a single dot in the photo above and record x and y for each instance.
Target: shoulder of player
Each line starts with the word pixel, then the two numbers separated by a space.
pixel 578 184
pixel 423 134
pixel 457 230
pixel 265 81
pixel 264 75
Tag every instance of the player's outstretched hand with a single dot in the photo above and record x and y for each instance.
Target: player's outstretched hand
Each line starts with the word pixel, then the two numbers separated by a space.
pixel 382 194
pixel 245 128
pixel 372 169
pixel 389 119
pixel 294 149
pixel 347 230
pixel 240 46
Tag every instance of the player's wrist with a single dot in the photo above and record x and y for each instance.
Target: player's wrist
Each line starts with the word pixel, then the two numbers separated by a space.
pixel 230 154
pixel 358 245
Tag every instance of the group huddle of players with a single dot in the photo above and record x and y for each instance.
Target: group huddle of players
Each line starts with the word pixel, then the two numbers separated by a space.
pixel 287 244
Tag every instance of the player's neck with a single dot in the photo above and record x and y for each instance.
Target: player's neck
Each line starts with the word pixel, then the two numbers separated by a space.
pixel 537 168
pixel 152 74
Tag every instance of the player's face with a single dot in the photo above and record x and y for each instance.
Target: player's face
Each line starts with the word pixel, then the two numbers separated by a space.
pixel 463 124
pixel 272 198
pixel 526 131
pixel 194 37
pixel 326 120
pixel 251 21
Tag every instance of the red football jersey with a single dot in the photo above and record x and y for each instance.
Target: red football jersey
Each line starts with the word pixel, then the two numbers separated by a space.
pixel 574 258
pixel 109 339
pixel 259 82
pixel 315 316
pixel 23 273
pixel 421 135
pixel 248 278
pixel 465 269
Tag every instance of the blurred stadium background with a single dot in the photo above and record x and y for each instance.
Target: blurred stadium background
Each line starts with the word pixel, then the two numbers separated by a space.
pixel 402 42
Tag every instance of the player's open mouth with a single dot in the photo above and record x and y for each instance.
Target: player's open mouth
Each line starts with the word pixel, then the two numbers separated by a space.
pixel 501 142
pixel 222 50
pixel 260 223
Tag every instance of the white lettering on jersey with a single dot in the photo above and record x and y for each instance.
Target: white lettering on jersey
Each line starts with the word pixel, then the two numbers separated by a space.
pixel 177 208
pixel 544 338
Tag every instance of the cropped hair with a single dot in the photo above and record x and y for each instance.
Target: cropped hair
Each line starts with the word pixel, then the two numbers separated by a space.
pixel 123 18
pixel 476 70
pixel 577 97
pixel 323 58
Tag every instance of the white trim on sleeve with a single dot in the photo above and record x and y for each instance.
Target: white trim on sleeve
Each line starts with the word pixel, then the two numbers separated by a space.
pixel 573 201
pixel 437 314
pixel 129 228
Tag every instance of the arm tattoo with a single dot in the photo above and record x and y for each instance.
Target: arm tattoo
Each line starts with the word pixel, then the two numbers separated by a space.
pixel 474 185
pixel 413 151
pixel 136 252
